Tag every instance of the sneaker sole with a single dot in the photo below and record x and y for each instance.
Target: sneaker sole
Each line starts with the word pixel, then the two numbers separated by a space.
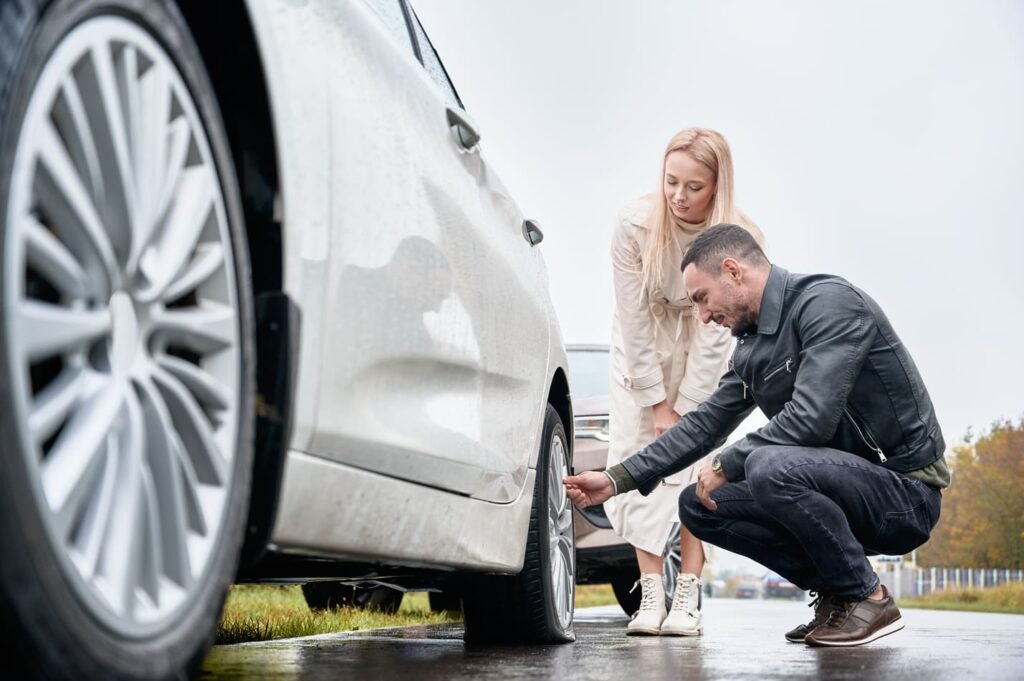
pixel 796 640
pixel 699 631
pixel 643 632
pixel 890 628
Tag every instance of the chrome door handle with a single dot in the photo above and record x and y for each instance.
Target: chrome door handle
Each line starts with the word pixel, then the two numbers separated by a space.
pixel 463 129
pixel 532 233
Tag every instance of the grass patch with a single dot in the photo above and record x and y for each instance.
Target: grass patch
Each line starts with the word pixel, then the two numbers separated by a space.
pixel 590 595
pixel 1006 598
pixel 259 612
pixel 262 612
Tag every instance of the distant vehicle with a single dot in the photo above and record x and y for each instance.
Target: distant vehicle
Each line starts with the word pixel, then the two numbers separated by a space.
pixel 602 556
pixel 749 588
pixel 776 586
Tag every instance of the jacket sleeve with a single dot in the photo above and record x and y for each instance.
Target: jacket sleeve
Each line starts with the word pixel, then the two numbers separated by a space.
pixel 836 331
pixel 710 345
pixel 693 436
pixel 643 372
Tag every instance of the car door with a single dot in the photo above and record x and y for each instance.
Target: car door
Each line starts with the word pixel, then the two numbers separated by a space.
pixel 433 367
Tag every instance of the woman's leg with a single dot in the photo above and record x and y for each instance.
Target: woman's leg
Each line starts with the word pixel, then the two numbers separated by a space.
pixel 651 563
pixel 691 553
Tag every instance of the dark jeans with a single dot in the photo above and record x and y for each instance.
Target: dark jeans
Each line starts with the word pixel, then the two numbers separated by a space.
pixel 813 515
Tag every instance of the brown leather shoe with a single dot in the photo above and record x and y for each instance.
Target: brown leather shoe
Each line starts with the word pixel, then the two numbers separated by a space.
pixel 854 623
pixel 822 605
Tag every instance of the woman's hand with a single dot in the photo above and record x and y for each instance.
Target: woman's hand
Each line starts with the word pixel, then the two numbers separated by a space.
pixel 664 417
pixel 588 488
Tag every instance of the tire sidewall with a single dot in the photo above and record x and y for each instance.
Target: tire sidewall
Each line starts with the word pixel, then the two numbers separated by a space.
pixel 553 429
pixel 60 633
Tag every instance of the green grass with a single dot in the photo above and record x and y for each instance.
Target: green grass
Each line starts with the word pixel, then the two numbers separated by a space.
pixel 589 595
pixel 259 612
pixel 264 612
pixel 1008 598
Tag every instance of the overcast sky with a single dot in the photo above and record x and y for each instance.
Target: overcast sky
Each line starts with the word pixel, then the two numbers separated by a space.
pixel 882 141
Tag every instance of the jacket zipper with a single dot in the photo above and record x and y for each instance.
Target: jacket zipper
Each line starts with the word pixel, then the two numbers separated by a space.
pixel 870 443
pixel 777 369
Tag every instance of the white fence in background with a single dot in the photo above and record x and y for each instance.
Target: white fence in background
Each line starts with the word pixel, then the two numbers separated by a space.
pixel 907 582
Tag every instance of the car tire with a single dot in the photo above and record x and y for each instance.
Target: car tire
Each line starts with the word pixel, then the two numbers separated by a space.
pixel 444 601
pixel 623 582
pixel 328 595
pixel 115 561
pixel 535 606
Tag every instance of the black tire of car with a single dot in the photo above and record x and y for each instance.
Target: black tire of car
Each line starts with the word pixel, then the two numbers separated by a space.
pixel 47 630
pixel 328 595
pixel 521 608
pixel 444 601
pixel 622 583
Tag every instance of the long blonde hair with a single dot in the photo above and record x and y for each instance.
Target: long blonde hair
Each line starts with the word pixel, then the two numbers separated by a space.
pixel 710 149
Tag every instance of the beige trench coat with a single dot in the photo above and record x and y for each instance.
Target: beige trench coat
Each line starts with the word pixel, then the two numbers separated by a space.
pixel 659 349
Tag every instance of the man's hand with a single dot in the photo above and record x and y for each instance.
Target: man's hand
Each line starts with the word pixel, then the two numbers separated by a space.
pixel 707 482
pixel 664 417
pixel 588 488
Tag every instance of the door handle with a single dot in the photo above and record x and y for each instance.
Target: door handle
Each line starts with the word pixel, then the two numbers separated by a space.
pixel 463 129
pixel 532 233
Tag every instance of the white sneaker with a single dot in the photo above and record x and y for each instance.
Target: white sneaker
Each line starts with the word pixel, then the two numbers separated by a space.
pixel 684 618
pixel 651 614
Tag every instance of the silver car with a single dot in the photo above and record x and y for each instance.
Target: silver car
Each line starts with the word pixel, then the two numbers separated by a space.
pixel 268 314
pixel 602 557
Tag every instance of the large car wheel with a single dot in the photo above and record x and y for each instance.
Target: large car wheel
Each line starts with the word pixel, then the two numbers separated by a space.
pixel 126 361
pixel 327 595
pixel 535 606
pixel 623 583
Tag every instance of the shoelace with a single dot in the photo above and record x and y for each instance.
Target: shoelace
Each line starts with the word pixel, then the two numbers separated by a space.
pixel 841 609
pixel 681 598
pixel 648 600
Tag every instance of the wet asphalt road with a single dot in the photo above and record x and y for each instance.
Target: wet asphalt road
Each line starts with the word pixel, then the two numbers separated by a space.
pixel 742 640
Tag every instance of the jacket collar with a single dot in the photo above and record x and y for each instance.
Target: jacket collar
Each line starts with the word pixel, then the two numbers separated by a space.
pixel 771 301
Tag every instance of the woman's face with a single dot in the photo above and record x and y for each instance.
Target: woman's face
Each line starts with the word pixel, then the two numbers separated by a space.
pixel 689 187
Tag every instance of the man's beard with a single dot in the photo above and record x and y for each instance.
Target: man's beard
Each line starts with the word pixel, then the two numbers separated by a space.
pixel 745 323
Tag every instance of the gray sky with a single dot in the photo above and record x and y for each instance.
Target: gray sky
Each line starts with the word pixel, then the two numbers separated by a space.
pixel 882 141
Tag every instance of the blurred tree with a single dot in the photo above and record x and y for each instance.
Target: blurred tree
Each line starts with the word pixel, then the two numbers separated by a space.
pixel 982 523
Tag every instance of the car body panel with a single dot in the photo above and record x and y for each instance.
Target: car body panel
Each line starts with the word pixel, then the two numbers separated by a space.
pixel 377 516
pixel 428 341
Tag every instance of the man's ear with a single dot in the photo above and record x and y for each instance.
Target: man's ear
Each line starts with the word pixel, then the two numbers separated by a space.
pixel 732 269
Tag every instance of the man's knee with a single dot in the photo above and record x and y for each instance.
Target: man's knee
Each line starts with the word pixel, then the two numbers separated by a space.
pixel 764 468
pixel 690 508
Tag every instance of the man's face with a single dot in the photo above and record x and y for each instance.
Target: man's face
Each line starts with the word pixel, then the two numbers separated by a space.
pixel 722 297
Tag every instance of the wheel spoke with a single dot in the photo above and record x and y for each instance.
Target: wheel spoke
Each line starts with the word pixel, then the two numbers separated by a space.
pixel 206 329
pixel 106 111
pixel 121 555
pixel 73 122
pixel 209 258
pixel 189 214
pixel 53 404
pixel 54 261
pixel 50 329
pixel 206 389
pixel 211 466
pixel 163 453
pixel 70 464
pixel 67 201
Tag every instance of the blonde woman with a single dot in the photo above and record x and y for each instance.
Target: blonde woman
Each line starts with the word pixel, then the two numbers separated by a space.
pixel 665 362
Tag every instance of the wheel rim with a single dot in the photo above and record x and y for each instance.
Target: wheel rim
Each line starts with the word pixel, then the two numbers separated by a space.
pixel 562 546
pixel 122 325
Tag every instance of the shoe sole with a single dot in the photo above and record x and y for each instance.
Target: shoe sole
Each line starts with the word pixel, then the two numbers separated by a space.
pixel 699 631
pixel 796 640
pixel 643 632
pixel 890 628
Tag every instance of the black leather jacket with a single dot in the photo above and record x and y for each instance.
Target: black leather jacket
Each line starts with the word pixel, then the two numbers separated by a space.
pixel 827 369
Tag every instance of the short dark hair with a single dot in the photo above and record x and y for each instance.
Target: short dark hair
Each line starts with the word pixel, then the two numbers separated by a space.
pixel 723 241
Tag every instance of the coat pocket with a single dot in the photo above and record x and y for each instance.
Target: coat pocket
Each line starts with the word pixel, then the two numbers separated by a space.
pixel 786 367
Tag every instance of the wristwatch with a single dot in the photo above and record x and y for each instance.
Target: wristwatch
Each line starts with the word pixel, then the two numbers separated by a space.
pixel 716 465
